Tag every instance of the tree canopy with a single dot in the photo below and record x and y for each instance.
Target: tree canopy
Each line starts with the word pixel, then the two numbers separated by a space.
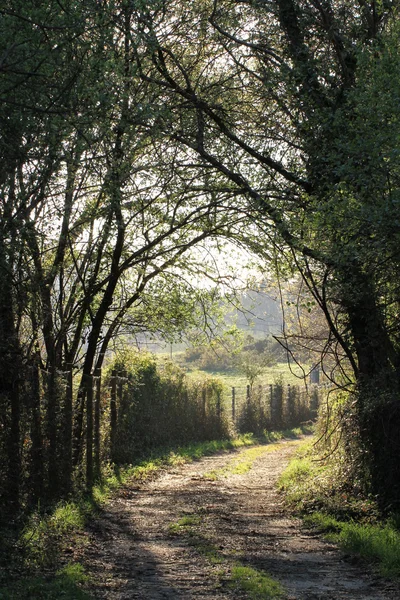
pixel 133 131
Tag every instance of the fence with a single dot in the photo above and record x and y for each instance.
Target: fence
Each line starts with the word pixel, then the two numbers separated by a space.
pixel 272 406
pixel 66 433
pixel 134 417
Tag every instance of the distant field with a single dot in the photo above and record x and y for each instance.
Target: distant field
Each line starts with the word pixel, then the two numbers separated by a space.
pixel 271 375
pixel 290 375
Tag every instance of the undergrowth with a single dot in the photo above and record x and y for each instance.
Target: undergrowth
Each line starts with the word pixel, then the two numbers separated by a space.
pixel 66 583
pixel 314 488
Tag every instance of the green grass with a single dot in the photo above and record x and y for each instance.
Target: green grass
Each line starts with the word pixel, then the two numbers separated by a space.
pixel 381 544
pixel 206 548
pixel 323 523
pixel 312 489
pixel 271 375
pixel 184 523
pixel 188 527
pixel 65 584
pixel 294 480
pixel 257 584
pixel 45 536
pixel 377 543
pixel 241 465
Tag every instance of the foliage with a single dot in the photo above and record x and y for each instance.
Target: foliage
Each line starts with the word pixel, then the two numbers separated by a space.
pixel 252 364
pixel 302 123
pixel 212 357
pixel 353 521
pixel 160 407
pixel 317 480
pixel 233 352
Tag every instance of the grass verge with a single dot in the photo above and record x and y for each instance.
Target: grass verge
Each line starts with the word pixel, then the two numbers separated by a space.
pixel 65 583
pixel 311 488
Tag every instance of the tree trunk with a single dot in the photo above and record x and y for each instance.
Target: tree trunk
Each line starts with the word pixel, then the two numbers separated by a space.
pixel 67 434
pixel 378 406
pixel 89 432
pixel 51 431
pixel 36 434
pixel 9 382
pixel 97 418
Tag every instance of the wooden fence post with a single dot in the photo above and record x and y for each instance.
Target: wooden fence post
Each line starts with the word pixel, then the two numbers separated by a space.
pixel 233 405
pixel 89 432
pixel 120 387
pixel 204 400
pixel 219 407
pixel 113 414
pixel 276 406
pixel 53 472
pixel 271 394
pixel 314 401
pixel 290 406
pixel 97 399
pixel 314 375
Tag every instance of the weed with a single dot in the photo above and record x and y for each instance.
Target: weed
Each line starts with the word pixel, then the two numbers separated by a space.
pixel 185 522
pixel 323 523
pixel 377 543
pixel 43 536
pixel 189 520
pixel 207 548
pixel 258 584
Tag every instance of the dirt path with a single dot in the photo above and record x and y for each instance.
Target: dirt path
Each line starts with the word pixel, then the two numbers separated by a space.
pixel 179 536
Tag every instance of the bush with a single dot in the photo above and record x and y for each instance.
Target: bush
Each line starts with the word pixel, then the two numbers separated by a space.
pixel 214 357
pixel 159 407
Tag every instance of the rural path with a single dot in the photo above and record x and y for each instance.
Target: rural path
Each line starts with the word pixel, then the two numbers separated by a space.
pixel 180 535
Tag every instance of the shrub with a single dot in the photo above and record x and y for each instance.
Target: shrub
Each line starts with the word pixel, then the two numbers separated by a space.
pixel 159 407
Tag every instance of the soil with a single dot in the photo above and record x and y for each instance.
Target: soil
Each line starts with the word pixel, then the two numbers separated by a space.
pixel 140 547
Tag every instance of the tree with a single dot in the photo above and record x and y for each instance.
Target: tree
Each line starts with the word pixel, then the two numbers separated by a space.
pixel 272 98
pixel 252 364
pixel 134 131
pixel 98 211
